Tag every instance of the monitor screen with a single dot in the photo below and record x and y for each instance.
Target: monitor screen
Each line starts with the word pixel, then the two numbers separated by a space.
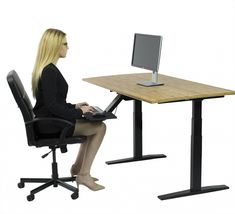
pixel 147 51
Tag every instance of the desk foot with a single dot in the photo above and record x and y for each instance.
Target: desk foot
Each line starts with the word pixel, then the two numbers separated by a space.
pixel 145 157
pixel 193 192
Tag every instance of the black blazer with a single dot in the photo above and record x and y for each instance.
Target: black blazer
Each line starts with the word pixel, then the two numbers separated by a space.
pixel 51 101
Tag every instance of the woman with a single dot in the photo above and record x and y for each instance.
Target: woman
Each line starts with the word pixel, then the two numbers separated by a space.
pixel 50 90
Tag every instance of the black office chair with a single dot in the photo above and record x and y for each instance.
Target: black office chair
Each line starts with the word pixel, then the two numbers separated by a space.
pixel 35 139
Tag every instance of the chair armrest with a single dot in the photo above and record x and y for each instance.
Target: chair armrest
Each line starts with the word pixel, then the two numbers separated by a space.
pixel 64 123
pixel 38 119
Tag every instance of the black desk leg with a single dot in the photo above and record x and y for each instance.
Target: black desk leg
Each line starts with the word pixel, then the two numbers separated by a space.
pixel 137 138
pixel 196 159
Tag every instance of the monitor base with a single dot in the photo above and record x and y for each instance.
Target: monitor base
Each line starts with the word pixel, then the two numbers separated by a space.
pixel 149 83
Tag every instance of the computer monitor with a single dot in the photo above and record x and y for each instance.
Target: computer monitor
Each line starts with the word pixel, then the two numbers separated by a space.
pixel 146 54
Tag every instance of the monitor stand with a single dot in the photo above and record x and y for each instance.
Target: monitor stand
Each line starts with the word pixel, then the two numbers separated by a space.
pixel 153 82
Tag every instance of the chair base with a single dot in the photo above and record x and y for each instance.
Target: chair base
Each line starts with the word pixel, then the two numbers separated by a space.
pixel 53 181
pixel 47 183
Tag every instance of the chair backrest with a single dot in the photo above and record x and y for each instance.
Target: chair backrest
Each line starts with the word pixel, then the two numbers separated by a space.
pixel 23 103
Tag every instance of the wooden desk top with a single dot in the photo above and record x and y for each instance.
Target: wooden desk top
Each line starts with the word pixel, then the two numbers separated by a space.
pixel 174 89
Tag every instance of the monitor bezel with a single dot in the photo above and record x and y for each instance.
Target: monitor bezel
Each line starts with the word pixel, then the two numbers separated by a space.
pixel 159 55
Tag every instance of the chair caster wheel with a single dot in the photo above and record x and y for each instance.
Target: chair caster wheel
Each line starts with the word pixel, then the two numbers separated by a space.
pixel 30 197
pixel 74 195
pixel 21 185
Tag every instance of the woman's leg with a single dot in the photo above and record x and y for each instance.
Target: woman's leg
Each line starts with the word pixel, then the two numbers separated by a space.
pixel 92 148
pixel 75 169
pixel 95 133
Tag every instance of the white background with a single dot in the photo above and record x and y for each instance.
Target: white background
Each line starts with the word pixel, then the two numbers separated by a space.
pixel 198 45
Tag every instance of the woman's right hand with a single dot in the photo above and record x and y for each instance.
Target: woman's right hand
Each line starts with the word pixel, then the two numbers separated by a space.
pixel 86 109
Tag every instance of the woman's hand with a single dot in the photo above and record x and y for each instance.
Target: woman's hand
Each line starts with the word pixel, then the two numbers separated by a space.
pixel 86 109
pixel 84 106
pixel 79 105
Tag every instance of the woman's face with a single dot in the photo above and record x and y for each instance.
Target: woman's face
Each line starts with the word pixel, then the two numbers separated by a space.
pixel 64 48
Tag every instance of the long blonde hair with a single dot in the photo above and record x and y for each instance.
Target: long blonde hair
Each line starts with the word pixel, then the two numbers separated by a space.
pixel 48 52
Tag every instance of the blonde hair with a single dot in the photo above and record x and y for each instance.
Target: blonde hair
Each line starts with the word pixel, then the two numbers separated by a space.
pixel 48 52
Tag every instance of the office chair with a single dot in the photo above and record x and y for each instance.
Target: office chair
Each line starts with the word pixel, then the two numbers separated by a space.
pixel 35 139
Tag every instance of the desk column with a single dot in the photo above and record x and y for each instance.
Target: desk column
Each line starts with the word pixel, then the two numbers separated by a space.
pixel 137 129
pixel 196 146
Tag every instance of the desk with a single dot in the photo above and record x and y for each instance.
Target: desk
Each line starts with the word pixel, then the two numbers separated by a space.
pixel 173 90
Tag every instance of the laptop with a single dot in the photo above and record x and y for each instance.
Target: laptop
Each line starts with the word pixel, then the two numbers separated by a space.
pixel 98 114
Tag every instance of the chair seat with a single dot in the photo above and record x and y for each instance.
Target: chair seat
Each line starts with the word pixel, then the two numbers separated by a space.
pixel 56 142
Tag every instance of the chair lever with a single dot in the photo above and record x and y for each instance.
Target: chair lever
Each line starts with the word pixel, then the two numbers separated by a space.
pixel 45 155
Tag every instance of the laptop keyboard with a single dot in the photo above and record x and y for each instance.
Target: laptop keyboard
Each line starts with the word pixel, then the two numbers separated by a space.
pixel 97 110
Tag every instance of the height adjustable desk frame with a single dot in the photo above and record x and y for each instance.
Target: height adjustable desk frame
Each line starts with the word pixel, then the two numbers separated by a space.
pixel 174 90
pixel 196 147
